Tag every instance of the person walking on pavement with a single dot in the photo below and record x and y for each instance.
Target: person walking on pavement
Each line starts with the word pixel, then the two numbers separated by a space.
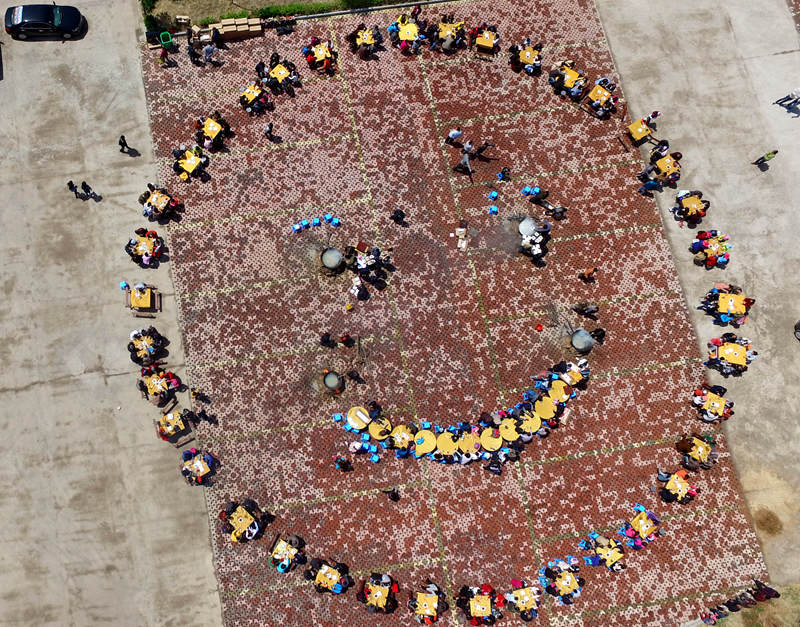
pixel 268 131
pixel 123 144
pixel 764 158
pixel 454 135
pixel 790 99
pixel 467 147
pixel 73 188
pixel 87 190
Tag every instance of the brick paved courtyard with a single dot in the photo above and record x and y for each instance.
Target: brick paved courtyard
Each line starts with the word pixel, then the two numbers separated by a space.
pixel 451 336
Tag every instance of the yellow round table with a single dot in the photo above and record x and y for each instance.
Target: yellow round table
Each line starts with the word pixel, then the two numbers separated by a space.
pixel 380 428
pixel 560 391
pixel 531 423
pixel 508 430
pixel 358 417
pixel 489 441
pixel 402 436
pixel 425 441
pixel 468 443
pixel 446 444
pixel 545 408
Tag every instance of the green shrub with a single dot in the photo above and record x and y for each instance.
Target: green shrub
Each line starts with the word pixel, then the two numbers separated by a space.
pixel 151 22
pixel 148 6
pixel 208 20
pixel 298 8
pixel 234 16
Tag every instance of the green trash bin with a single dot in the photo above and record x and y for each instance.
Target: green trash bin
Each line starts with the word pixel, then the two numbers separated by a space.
pixel 166 40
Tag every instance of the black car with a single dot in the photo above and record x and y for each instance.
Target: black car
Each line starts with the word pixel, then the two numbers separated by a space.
pixel 44 20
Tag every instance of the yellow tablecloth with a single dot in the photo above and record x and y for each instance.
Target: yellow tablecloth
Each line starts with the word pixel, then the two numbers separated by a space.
pixel 425 442
pixel 566 583
pixel 251 92
pixel 189 162
pixel 692 204
pixel 570 76
pixel 358 417
pixel 486 40
pixel 677 485
pixel 731 303
pixel 377 595
pixel 142 299
pixel 145 245
pixel 480 605
pixel 528 54
pixel 611 554
pixel 408 31
pixel 642 524
pixel 700 450
pixel 489 441
pixel 327 577
pixel 734 353
pixel 600 94
pixel 667 165
pixel 321 52
pixel 197 466
pixel 449 30
pixel 402 436
pixel 142 345
pixel 172 423
pixel 639 130
pixel 715 404
pixel 155 384
pixel 240 520
pixel 279 72
pixel 508 430
pixel 445 443
pixel 211 128
pixel 380 429
pixel 524 599
pixel 283 550
pixel 467 442
pixel 158 200
pixel 545 408
pixel 427 604
pixel 531 423
pixel 365 37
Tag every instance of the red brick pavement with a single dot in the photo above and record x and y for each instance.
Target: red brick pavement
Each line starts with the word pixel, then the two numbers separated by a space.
pixel 451 336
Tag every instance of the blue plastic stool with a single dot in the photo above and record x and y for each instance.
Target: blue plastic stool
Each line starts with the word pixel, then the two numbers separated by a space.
pixel 526 191
pixel 365 437
pixel 316 222
pixel 492 195
pixel 335 222
pixel 374 458
pixel 304 224
pixel 296 228
pixel 327 217
pixel 338 417
pixel 493 210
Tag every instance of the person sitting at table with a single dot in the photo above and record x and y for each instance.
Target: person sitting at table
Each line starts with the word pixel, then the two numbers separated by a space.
pixel 632 536
pixel 468 593
pixel 609 550
pixel 365 590
pixel 274 60
pixel 261 69
pixel 428 588
pixel 667 495
pixel 525 615
pixel 686 445
pixel 660 151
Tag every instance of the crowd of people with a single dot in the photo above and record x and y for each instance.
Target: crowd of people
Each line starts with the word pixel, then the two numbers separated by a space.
pixel 146 248
pixel 730 354
pixel 726 303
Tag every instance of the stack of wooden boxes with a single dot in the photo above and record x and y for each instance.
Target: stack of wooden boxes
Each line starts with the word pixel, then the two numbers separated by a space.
pixel 238 28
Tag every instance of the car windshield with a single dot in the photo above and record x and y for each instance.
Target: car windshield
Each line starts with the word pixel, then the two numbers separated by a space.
pixel 56 16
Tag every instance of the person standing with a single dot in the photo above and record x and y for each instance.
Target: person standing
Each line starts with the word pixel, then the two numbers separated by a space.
pixel 268 131
pixel 764 158
pixel 87 189
pixel 74 189
pixel 208 53
pixel 790 99
pixel 454 135
pixel 467 146
pixel 123 144
pixel 587 276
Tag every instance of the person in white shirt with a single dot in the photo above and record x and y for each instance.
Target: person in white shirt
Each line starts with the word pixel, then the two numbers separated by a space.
pixel 790 99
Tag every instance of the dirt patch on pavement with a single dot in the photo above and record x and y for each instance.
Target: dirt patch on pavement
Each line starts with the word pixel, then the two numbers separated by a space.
pixel 767 521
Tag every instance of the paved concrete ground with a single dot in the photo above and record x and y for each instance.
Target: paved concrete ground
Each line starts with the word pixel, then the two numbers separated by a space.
pixel 98 526
pixel 713 68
